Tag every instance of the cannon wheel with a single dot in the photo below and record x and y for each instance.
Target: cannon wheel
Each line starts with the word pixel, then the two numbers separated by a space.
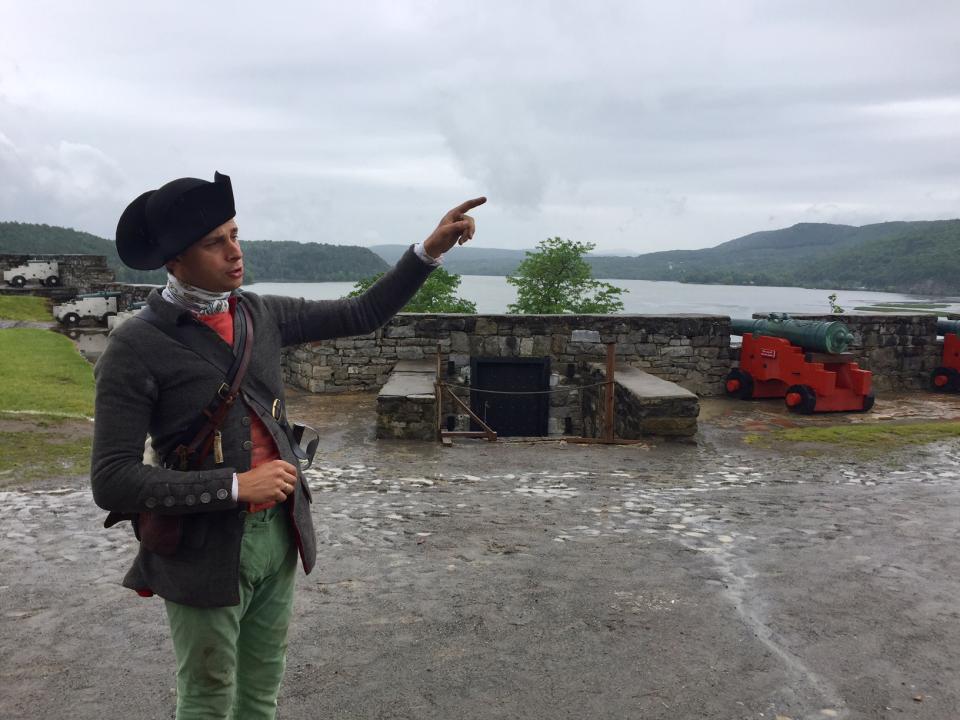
pixel 53 281
pixel 106 316
pixel 71 319
pixel 945 379
pixel 739 384
pixel 868 401
pixel 801 399
pixel 18 281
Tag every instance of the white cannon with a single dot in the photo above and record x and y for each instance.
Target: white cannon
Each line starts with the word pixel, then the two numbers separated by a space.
pixel 45 273
pixel 101 305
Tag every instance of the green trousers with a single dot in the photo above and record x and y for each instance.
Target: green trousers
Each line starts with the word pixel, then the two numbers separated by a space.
pixel 230 660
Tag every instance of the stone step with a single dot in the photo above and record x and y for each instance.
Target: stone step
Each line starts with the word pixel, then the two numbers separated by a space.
pixel 646 404
pixel 407 403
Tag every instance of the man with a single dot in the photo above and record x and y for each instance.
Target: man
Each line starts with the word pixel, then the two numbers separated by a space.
pixel 221 523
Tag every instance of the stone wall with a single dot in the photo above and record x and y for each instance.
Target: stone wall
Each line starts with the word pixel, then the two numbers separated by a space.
pixel 129 294
pixel 900 350
pixel 84 273
pixel 692 351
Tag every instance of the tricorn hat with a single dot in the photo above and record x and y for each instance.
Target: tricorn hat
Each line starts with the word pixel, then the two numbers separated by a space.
pixel 161 224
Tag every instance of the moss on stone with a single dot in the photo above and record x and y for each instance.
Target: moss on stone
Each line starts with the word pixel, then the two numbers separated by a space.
pixel 864 436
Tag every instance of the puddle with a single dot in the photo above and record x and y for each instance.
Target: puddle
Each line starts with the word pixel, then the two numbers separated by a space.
pixel 91 342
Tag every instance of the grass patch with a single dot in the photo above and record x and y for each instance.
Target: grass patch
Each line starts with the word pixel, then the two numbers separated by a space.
pixel 24 307
pixel 872 437
pixel 900 310
pixel 43 371
pixel 44 451
pixel 910 304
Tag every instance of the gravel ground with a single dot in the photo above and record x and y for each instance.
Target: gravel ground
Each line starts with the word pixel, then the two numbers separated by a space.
pixel 706 579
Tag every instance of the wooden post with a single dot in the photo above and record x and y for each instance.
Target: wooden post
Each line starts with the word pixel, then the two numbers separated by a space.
pixel 445 435
pixel 608 420
pixel 489 432
pixel 438 396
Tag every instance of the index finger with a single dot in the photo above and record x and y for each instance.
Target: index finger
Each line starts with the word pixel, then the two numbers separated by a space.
pixel 470 204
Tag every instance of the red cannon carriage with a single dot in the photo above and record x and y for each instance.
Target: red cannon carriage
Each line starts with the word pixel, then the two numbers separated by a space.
pixel 804 362
pixel 946 378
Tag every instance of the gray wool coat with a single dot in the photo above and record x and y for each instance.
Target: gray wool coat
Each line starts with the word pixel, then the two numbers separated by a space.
pixel 147 382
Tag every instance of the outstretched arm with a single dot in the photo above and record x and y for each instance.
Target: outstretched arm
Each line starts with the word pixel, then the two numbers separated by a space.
pixel 303 321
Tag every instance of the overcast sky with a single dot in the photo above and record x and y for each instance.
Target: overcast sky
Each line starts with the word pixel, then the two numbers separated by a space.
pixel 637 126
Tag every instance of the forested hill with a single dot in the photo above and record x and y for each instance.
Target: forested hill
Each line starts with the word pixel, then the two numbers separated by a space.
pixel 910 257
pixel 264 260
pixel 465 260
pixel 288 261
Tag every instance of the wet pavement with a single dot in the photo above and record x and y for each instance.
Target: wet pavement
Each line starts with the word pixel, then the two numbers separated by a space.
pixel 704 579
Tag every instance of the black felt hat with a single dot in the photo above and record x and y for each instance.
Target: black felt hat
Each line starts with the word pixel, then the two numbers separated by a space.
pixel 161 224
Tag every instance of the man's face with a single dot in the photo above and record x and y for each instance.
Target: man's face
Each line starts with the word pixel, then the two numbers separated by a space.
pixel 214 262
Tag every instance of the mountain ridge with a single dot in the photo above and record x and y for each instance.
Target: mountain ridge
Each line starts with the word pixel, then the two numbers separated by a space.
pixel 916 257
pixel 879 256
pixel 264 260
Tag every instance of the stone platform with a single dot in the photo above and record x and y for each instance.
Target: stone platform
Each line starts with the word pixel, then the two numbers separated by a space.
pixel 407 403
pixel 643 405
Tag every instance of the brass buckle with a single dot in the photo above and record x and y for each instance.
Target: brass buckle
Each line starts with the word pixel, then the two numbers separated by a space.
pixel 276 410
pixel 223 392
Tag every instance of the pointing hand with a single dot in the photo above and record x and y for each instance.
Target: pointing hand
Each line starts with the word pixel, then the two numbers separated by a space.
pixel 456 227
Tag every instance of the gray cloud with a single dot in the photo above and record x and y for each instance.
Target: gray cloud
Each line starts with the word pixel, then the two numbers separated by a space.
pixel 67 183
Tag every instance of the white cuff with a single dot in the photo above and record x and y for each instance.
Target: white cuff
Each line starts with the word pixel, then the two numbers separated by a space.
pixel 423 255
pixel 235 492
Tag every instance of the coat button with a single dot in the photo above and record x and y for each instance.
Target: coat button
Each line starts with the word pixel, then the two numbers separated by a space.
pixel 222 494
pixel 245 420
pixel 190 499
pixel 169 501
pixel 150 502
pixel 247 444
pixel 205 497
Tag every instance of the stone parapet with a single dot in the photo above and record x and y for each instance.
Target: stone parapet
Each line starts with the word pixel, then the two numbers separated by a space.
pixel 691 350
pixel 82 273
pixel 129 293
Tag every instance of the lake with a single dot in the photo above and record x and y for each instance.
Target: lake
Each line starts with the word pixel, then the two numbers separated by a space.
pixel 492 294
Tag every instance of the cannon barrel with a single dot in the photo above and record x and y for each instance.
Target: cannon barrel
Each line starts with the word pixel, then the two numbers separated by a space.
pixel 815 335
pixel 948 326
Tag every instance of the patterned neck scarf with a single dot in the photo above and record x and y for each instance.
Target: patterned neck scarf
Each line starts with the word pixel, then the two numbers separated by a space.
pixel 196 300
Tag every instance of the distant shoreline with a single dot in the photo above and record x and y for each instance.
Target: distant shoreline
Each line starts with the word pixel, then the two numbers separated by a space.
pixel 492 295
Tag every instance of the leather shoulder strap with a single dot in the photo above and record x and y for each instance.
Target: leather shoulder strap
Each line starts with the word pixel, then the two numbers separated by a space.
pixel 196 440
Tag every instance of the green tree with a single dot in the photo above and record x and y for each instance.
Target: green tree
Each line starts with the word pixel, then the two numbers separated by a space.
pixel 556 279
pixel 437 295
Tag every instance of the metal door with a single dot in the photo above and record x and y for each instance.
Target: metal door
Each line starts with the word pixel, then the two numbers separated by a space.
pixel 509 414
